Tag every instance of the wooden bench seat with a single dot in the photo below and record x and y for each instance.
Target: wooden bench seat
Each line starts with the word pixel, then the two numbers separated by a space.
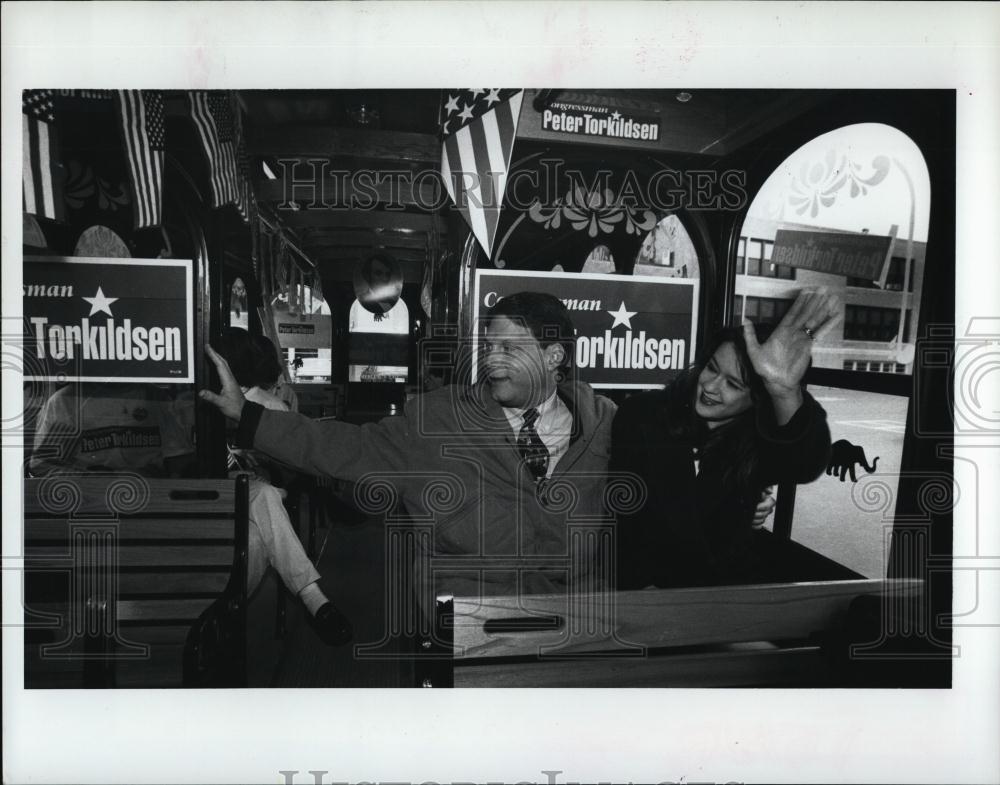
pixel 132 581
pixel 752 635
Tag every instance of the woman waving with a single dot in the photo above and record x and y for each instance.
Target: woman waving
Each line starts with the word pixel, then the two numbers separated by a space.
pixel 709 444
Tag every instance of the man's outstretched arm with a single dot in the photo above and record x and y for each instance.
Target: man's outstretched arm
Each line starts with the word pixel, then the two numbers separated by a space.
pixel 328 448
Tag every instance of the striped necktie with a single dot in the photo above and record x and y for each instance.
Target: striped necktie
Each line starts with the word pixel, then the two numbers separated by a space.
pixel 530 445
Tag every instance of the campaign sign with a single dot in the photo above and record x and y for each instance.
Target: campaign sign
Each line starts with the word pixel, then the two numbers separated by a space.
pixel 117 320
pixel 839 253
pixel 599 121
pixel 305 331
pixel 633 331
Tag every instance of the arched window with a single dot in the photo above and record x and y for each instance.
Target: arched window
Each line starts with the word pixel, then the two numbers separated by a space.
pixel 599 260
pixel 304 333
pixel 848 211
pixel 379 343
pixel 668 251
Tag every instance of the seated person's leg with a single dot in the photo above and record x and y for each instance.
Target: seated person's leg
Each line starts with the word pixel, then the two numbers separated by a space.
pixel 257 556
pixel 277 542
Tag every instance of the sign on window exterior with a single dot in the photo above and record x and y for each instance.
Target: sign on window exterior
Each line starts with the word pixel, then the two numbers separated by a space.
pixel 838 253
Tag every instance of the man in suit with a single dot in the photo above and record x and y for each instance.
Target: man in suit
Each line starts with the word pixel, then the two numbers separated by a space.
pixel 506 448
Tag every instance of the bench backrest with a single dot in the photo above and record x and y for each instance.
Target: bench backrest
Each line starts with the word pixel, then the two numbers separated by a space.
pixel 714 636
pixel 129 579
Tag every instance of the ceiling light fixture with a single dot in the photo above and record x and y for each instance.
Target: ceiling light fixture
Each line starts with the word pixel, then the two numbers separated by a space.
pixel 363 114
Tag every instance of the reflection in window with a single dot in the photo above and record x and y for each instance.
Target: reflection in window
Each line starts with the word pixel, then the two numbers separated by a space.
pixel 668 251
pixel 865 179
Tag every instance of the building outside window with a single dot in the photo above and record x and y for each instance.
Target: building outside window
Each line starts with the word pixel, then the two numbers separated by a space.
pixel 894 279
pixel 865 179
pixel 766 310
pixel 865 323
pixel 758 261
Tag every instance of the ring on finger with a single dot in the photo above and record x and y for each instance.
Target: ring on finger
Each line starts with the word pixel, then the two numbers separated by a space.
pixel 810 332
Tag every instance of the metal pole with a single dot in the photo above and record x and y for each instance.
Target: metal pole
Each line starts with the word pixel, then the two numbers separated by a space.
pixel 288 242
pixel 904 300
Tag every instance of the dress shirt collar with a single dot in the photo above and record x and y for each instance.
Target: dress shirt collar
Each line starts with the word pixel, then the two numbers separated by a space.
pixel 516 416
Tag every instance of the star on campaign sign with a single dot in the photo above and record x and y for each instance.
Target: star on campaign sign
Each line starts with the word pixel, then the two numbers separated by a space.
pixel 622 316
pixel 100 303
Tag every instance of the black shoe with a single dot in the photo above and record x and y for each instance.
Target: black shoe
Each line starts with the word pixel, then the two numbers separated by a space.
pixel 332 627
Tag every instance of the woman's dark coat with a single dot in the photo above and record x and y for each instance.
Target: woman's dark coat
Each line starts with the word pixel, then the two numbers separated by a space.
pixel 696 529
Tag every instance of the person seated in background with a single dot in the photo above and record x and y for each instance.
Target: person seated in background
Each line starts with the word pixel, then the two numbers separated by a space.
pixel 711 442
pixel 269 372
pixel 124 427
pixel 276 539
pixel 111 427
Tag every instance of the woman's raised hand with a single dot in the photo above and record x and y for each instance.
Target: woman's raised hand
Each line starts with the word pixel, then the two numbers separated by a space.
pixel 230 400
pixel 781 361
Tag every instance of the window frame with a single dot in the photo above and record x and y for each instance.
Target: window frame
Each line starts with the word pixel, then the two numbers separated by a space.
pixel 927 398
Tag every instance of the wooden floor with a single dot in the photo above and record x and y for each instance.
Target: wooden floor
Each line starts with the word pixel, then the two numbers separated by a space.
pixel 351 562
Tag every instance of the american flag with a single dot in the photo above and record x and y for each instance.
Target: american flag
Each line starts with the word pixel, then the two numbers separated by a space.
pixel 478 126
pixel 41 173
pixel 213 117
pixel 245 202
pixel 142 123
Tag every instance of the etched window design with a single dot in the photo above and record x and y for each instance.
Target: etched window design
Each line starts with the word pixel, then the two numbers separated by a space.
pixel 850 211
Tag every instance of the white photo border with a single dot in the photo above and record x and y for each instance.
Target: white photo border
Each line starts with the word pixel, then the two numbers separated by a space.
pixel 516 735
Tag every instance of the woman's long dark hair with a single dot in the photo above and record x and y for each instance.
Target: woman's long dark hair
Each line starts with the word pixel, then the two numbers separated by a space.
pixel 734 443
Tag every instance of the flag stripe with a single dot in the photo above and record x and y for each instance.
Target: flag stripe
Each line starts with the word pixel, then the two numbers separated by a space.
pixel 138 122
pixel 504 120
pixel 199 112
pixel 128 117
pixel 512 111
pixel 446 172
pixel 41 173
pixel 485 167
pixel 224 176
pixel 45 165
pixel 148 156
pixel 141 123
pixel 229 171
pixel 455 171
pixel 478 139
pixel 28 175
pixel 468 164
pixel 498 168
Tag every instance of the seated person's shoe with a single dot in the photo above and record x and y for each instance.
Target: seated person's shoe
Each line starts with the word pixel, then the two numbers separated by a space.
pixel 332 627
